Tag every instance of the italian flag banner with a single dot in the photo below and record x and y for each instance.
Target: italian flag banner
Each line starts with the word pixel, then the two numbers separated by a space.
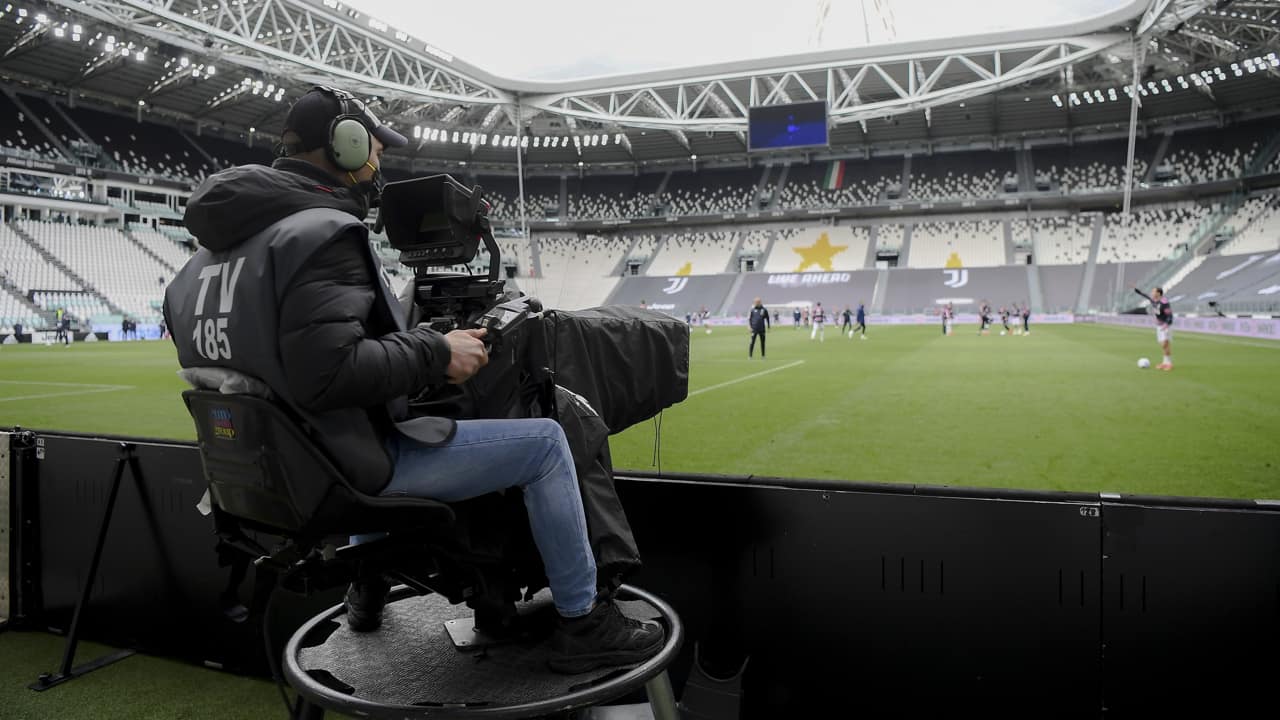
pixel 835 176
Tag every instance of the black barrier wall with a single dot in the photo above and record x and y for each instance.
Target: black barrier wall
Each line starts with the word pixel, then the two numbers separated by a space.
pixel 840 599
pixel 161 586
pixel 1191 607
pixel 879 601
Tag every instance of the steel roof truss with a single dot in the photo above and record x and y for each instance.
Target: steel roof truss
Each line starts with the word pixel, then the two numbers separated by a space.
pixel 298 40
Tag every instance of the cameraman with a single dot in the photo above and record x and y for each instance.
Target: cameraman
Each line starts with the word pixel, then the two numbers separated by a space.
pixel 287 288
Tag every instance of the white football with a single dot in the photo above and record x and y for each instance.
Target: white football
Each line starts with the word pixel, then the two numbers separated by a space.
pixel 1001 332
pixel 1144 363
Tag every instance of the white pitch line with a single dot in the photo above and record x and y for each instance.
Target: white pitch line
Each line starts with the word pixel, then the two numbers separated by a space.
pixel 85 390
pixel 61 384
pixel 699 391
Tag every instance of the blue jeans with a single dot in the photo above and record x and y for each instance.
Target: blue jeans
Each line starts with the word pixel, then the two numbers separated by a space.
pixel 490 455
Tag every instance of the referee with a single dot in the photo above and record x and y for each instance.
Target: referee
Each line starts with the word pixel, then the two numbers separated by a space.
pixel 759 321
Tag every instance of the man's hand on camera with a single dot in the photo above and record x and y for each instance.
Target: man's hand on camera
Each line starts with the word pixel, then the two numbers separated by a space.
pixel 467 354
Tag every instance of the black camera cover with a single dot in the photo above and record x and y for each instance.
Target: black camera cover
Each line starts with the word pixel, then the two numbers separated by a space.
pixel 629 363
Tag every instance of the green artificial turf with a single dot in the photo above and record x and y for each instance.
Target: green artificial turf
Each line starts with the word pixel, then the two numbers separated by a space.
pixel 136 688
pixel 1065 408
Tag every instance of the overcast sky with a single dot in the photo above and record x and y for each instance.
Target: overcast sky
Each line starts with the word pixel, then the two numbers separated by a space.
pixel 569 39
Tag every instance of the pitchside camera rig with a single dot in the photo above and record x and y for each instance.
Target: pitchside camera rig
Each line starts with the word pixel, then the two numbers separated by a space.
pixel 437 222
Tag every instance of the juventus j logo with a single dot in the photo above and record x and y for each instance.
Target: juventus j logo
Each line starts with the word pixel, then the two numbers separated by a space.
pixel 677 284
pixel 956 278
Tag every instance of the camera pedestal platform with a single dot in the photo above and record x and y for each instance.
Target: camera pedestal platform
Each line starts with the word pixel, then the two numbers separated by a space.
pixel 410 667
pixel 535 623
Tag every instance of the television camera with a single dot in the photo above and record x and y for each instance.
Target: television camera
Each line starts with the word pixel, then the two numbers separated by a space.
pixel 438 222
pixel 595 371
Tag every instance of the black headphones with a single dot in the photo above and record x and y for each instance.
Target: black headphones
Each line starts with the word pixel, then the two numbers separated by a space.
pixel 349 139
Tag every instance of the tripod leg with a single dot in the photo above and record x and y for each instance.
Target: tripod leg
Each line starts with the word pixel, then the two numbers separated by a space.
pixel 65 671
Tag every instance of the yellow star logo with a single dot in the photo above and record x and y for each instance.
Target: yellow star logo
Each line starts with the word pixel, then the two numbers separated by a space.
pixel 686 269
pixel 954 261
pixel 819 253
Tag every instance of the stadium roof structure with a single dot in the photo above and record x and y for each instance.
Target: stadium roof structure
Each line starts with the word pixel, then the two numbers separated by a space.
pixel 237 65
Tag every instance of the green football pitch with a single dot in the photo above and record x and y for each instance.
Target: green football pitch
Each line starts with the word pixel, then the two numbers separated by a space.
pixel 1065 408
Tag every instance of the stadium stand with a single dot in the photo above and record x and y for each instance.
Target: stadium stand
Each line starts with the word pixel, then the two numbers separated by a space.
pixel 1112 279
pixel 26 269
pixel 1055 240
pixel 959 175
pixel 861 183
pixel 1257 227
pixel 1090 166
pixel 889 238
pixel 1262 294
pixel 694 254
pixel 516 253
pixel 613 196
pixel 540 195
pixel 229 152
pixel 119 270
pixel 644 249
pixel 957 244
pixel 82 305
pixel 52 119
pixel 755 243
pixel 576 272
pixel 710 190
pixel 1204 155
pixel 21 137
pixel 1148 234
pixel 787 255
pixel 142 148
pixel 13 310
pixel 163 246
pixel 151 208
pixel 1228 278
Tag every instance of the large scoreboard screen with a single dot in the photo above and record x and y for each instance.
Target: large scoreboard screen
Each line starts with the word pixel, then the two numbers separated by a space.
pixel 773 127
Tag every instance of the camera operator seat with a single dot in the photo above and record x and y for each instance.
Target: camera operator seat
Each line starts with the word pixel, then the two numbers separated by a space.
pixel 429 658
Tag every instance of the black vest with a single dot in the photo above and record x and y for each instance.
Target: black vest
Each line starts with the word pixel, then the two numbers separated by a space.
pixel 223 309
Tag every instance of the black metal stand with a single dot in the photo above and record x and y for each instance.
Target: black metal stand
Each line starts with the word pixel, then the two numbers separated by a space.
pixel 65 671
pixel 304 709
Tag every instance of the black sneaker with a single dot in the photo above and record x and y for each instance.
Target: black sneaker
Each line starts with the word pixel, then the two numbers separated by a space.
pixel 364 602
pixel 604 637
